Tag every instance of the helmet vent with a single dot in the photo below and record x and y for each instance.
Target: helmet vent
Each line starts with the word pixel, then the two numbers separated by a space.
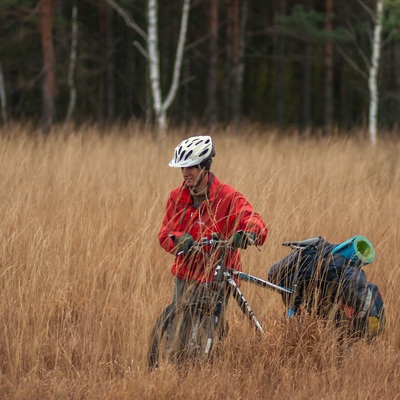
pixel 203 153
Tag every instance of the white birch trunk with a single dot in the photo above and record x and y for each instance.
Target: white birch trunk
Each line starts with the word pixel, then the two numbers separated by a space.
pixel 72 63
pixel 373 74
pixel 160 106
pixel 154 60
pixel 152 55
pixel 3 100
pixel 179 55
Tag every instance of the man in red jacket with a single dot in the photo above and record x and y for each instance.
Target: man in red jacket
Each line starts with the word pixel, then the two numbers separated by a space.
pixel 203 207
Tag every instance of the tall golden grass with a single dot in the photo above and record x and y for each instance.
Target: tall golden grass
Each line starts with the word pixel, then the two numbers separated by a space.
pixel 82 276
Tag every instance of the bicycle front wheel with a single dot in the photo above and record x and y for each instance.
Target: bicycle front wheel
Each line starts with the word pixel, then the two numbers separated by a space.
pixel 181 333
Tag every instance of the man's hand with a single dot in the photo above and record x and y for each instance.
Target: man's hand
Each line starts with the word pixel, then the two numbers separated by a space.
pixel 184 243
pixel 241 239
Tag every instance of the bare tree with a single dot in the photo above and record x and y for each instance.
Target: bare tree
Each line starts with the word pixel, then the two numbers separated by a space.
pixel 212 66
pixel 372 63
pixel 3 101
pixel 373 74
pixel 241 23
pixel 107 86
pixel 307 77
pixel 279 41
pixel 236 19
pixel 396 56
pixel 160 105
pixel 72 63
pixel 328 90
pixel 46 23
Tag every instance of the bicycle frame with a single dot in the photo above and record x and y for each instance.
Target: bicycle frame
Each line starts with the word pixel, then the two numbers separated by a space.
pixel 239 297
pixel 258 281
pixel 230 275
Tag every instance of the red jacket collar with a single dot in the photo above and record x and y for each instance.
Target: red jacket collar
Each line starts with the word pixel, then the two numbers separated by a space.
pixel 212 184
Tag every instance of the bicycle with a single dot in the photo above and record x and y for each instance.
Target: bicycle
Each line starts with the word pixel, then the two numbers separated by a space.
pixel 314 264
pixel 199 324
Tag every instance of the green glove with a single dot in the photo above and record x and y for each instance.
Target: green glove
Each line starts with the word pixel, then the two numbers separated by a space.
pixel 241 239
pixel 184 243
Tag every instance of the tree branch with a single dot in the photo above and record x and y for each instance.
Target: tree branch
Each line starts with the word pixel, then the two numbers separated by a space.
pixel 179 54
pixel 352 63
pixel 127 18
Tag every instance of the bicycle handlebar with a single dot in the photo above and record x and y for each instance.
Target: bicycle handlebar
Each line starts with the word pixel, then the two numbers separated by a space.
pixel 213 242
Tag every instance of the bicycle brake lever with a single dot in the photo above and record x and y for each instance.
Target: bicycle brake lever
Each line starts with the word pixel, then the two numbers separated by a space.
pixel 203 241
pixel 194 248
pixel 252 242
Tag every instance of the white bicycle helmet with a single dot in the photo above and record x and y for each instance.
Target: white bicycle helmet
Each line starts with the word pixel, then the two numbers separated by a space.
pixel 193 151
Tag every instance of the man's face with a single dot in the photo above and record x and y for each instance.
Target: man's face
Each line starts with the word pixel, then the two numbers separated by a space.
pixel 192 175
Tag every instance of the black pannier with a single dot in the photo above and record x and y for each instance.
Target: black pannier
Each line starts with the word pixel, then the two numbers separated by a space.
pixel 324 282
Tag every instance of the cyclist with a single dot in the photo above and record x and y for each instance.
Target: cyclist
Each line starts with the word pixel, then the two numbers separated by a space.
pixel 202 207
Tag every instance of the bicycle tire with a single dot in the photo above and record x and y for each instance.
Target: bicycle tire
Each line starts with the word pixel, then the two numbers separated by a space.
pixel 193 336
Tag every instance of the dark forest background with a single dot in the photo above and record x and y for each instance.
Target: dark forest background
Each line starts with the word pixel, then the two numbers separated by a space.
pixel 301 64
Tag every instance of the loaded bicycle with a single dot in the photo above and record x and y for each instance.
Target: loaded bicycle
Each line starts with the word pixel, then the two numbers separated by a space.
pixel 189 331
pixel 315 274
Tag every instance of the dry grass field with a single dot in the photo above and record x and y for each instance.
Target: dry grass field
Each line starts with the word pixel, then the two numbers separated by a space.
pixel 83 278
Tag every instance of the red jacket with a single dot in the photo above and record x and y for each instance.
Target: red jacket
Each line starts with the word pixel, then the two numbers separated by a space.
pixel 225 212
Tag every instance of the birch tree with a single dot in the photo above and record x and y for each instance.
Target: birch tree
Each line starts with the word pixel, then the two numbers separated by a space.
pixel 161 106
pixel 373 74
pixel 152 54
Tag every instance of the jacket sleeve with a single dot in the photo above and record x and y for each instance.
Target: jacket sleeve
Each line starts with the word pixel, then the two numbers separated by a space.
pixel 243 217
pixel 168 231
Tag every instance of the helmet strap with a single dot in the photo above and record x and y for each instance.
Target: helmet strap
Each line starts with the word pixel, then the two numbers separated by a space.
pixel 202 176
